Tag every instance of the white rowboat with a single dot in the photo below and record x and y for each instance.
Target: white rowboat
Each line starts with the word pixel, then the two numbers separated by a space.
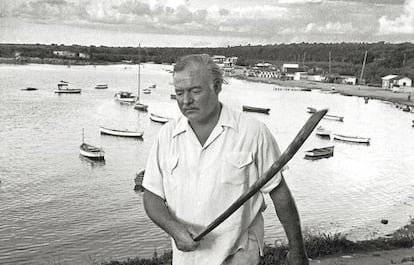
pixel 122 133
pixel 91 151
pixel 322 132
pixel 159 118
pixel 352 139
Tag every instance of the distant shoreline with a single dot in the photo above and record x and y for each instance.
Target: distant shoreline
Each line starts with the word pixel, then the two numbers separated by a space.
pixel 345 90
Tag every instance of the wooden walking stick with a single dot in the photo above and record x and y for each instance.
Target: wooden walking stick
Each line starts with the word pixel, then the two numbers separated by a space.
pixel 290 151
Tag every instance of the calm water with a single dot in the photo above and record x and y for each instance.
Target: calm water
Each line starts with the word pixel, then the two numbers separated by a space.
pixel 56 207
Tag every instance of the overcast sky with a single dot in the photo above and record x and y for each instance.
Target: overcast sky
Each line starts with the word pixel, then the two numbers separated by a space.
pixel 194 23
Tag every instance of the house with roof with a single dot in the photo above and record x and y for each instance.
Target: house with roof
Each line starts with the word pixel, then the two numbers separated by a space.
pixel 397 83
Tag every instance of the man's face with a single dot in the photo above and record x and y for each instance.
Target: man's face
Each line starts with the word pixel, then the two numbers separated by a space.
pixel 196 100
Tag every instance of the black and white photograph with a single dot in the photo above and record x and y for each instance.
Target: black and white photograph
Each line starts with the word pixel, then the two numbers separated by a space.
pixel 189 132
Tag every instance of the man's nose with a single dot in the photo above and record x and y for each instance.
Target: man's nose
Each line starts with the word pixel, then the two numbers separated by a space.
pixel 187 99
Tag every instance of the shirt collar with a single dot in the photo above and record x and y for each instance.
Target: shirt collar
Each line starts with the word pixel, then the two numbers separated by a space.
pixel 226 119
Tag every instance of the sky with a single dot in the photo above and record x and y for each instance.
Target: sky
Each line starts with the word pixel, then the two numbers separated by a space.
pixel 201 23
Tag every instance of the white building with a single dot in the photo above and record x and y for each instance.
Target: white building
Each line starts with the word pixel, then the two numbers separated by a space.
pixel 397 83
pixel 349 79
pixel 300 76
pixel 288 67
pixel 65 54
pixel 317 78
pixel 219 59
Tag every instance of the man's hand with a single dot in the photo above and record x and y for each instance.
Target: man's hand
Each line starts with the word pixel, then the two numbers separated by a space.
pixel 297 258
pixel 184 239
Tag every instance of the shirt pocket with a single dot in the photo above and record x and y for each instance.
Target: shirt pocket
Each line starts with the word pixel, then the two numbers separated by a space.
pixel 235 167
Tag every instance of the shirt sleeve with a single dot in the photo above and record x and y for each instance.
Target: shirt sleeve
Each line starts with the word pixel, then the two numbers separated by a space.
pixel 153 178
pixel 268 152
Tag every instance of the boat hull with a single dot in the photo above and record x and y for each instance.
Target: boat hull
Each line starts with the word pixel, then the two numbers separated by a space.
pixel 68 91
pixel 351 139
pixel 91 152
pixel 141 107
pixel 120 133
pixel 256 109
pixel 104 86
pixel 159 119
pixel 318 153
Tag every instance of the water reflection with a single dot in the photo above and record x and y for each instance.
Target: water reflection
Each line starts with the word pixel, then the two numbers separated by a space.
pixel 93 163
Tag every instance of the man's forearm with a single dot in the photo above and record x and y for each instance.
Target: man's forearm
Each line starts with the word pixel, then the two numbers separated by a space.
pixel 288 215
pixel 159 214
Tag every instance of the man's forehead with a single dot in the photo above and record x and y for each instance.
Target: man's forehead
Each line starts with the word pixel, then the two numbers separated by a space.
pixel 192 73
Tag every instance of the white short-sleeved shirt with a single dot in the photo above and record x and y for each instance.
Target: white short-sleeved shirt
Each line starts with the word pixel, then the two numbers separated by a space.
pixel 199 182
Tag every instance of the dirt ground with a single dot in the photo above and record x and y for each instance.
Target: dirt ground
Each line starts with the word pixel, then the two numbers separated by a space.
pixel 403 256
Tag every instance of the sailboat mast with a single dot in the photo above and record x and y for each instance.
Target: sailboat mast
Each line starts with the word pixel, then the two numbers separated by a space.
pixel 139 72
pixel 363 68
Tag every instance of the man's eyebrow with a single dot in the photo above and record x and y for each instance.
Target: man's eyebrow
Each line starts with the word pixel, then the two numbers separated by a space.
pixel 188 88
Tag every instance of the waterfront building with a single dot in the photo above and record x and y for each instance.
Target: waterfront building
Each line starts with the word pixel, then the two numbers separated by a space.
pixel 397 83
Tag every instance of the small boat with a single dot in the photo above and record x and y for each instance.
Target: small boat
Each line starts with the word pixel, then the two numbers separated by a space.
pixel 29 89
pixel 173 96
pixel 90 151
pixel 63 88
pixel 140 106
pixel 256 109
pixel 101 86
pixel 125 96
pixel 351 139
pixel 311 110
pixel 152 86
pixel 122 133
pixel 146 91
pixel 327 116
pixel 333 117
pixel 318 153
pixel 322 132
pixel 159 118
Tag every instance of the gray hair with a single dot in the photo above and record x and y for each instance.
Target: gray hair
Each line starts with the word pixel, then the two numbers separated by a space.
pixel 201 59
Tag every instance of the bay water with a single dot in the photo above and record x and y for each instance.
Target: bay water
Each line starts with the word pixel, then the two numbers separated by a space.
pixel 56 207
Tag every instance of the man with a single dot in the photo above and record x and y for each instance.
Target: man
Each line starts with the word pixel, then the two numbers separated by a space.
pixel 202 162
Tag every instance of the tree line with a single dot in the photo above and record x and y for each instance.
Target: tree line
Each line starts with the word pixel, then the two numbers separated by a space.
pixel 334 58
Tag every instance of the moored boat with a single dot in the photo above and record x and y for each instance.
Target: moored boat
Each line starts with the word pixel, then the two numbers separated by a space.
pixel 122 133
pixel 124 96
pixel 406 108
pixel 318 153
pixel 91 152
pixel 146 91
pixel 159 118
pixel 255 109
pixel 351 139
pixel 333 117
pixel 64 88
pixel 173 96
pixel 101 86
pixel 140 106
pixel 327 116
pixel 29 89
pixel 322 132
